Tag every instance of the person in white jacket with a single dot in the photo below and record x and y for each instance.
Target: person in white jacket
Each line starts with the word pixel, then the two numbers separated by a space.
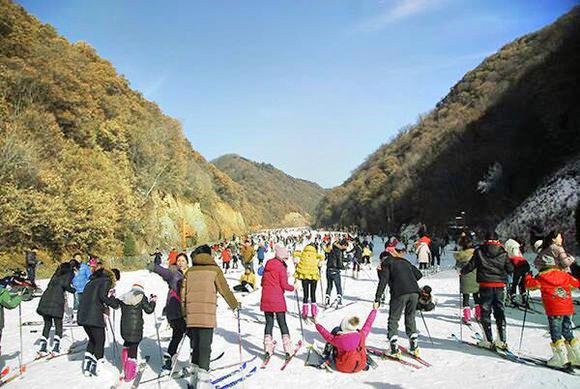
pixel 423 255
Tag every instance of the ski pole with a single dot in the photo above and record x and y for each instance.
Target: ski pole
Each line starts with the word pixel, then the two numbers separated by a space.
pixel 157 325
pixel 299 315
pixel 175 357
pixel 115 347
pixel 427 328
pixel 22 368
pixel 240 334
pixel 524 322
pixel 460 313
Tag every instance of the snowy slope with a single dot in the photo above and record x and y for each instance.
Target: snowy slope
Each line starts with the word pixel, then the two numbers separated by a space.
pixel 453 364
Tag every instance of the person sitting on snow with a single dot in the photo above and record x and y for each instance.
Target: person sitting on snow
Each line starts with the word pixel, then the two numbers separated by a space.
pixel 346 343
pixel 247 282
pixel 425 302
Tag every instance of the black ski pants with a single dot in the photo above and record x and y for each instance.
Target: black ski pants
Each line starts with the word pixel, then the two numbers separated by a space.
pixel 179 328
pixel 491 299
pixel 200 340
pixel 408 304
pixel 333 278
pixel 48 320
pixel 96 344
pixel 280 318
pixel 309 290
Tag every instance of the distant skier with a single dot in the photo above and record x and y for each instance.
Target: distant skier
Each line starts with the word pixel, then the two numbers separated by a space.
pixel 132 304
pixel 273 303
pixel 261 253
pixel 203 280
pixel 173 276
pixel 31 263
pixel 435 249
pixel 81 279
pixel 491 261
pixel 247 282
pixel 247 252
pixel 556 285
pixel 423 254
pixel 52 303
pixel 521 268
pixel 346 346
pixel 157 256
pixel 226 256
pixel 308 271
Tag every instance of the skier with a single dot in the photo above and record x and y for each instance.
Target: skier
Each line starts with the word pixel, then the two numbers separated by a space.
pixel 334 265
pixel 247 252
pixel 425 302
pixel 346 343
pixel 552 247
pixel 555 286
pixel 402 277
pixel 92 309
pixel 172 257
pixel 31 263
pixel 467 282
pixel 10 300
pixel 198 300
pixel 435 249
pixel 173 276
pixel 357 254
pixel 261 252
pixel 273 303
pixel 80 279
pixel 521 268
pixel 132 304
pixel 367 254
pixel 308 271
pixel 491 261
pixel 423 254
pixel 226 257
pixel 156 256
pixel 51 305
pixel 247 282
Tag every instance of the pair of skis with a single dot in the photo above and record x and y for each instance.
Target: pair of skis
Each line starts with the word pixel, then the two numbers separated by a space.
pixel 384 354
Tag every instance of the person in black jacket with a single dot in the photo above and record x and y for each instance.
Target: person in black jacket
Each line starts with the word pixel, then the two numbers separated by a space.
pixel 132 304
pixel 51 305
pixel 334 264
pixel 493 266
pixel 402 277
pixel 156 257
pixel 92 308
pixel 31 263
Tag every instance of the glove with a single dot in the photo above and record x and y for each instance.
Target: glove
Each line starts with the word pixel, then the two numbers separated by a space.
pixel 376 305
pixel 111 293
pixel 152 298
pixel 150 266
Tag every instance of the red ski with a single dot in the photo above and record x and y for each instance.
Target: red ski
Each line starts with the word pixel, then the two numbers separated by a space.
pixel 415 357
pixel 287 361
pixel 385 355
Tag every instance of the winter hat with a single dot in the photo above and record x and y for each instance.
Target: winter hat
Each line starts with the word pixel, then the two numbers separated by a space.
pixel 281 252
pixel 349 324
pixel 138 287
pixel 427 289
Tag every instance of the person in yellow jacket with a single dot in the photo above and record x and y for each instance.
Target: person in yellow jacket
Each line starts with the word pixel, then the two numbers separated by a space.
pixel 247 282
pixel 366 255
pixel 308 271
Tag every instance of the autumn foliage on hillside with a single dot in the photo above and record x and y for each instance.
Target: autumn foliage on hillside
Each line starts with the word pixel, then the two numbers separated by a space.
pixel 81 153
pixel 485 147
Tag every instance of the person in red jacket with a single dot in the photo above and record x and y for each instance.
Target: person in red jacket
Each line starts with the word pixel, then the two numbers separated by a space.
pixel 226 259
pixel 273 303
pixel 556 286
pixel 347 343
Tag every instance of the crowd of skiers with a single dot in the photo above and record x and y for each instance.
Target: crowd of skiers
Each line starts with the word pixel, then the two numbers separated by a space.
pixel 194 282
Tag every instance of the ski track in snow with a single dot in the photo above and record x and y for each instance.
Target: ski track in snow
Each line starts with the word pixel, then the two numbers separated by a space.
pixel 453 363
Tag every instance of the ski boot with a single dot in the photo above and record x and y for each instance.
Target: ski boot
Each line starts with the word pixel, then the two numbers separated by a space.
pixel 314 310
pixel 560 358
pixel 204 380
pixel 414 344
pixel 130 369
pixel 287 345
pixel 55 346
pixel 466 315
pixel 268 346
pixel 167 362
pixel 500 343
pixel 326 301
pixel 339 300
pixel 90 365
pixel 477 312
pixel 194 378
pixel 487 341
pixel 573 348
pixel 42 347
pixel 395 352
pixel 305 310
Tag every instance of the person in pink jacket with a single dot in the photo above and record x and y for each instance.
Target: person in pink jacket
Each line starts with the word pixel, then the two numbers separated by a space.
pixel 273 303
pixel 346 345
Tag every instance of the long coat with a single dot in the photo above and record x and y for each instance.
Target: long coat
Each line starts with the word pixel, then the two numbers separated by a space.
pixel 467 282
pixel 95 299
pixel 274 283
pixel 133 304
pixel 52 301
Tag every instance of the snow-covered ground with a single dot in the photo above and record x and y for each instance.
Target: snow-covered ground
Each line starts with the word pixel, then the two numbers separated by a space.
pixel 453 363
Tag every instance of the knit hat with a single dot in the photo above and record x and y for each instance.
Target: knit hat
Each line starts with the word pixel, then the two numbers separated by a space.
pixel 349 324
pixel 281 252
pixel 138 287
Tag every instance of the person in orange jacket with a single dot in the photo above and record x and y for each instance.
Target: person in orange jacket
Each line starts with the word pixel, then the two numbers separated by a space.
pixel 556 286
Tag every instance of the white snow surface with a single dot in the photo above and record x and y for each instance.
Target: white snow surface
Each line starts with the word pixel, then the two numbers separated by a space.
pixel 453 363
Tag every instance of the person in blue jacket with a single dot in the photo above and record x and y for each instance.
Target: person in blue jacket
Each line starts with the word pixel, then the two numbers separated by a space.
pixel 261 254
pixel 81 279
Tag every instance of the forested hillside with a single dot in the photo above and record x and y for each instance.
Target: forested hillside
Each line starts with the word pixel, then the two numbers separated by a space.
pixel 284 200
pixel 501 130
pixel 87 163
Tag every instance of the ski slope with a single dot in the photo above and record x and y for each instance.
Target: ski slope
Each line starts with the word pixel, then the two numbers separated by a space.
pixel 453 363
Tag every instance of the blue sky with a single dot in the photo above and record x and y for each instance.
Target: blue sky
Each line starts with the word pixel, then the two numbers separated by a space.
pixel 311 86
